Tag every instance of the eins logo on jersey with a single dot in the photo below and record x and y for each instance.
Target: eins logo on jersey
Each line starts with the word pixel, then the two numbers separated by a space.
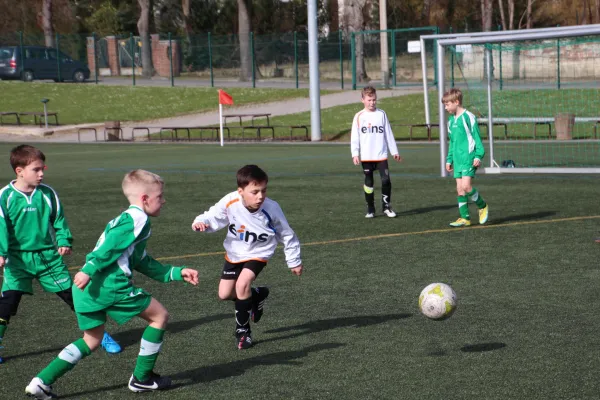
pixel 247 236
pixel 372 129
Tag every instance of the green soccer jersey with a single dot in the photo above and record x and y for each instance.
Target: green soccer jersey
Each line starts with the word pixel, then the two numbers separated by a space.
pixel 31 221
pixel 465 141
pixel 120 249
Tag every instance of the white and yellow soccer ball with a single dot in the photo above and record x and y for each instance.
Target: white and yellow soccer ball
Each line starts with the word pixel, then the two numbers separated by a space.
pixel 437 301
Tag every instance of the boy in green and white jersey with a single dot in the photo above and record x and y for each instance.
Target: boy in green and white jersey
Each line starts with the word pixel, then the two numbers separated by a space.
pixel 465 153
pixel 104 287
pixel 34 236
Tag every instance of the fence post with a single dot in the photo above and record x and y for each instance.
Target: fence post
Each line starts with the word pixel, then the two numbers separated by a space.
pixel 58 58
pixel 253 61
pixel 452 51
pixel 132 43
pixel 558 62
pixel 296 57
pixel 353 57
pixel 393 43
pixel 212 79
pixel 21 56
pixel 95 58
pixel 340 40
pixel 500 58
pixel 171 60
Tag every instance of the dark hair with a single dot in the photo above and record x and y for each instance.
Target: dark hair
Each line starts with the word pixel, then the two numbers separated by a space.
pixel 23 155
pixel 251 173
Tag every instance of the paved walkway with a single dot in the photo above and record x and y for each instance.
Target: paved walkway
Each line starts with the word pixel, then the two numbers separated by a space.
pixel 69 133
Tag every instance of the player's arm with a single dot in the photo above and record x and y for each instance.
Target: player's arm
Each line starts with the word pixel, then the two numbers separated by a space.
pixel 287 237
pixel 64 237
pixel 3 234
pixel 111 245
pixel 165 272
pixel 479 149
pixel 450 156
pixel 213 219
pixel 355 141
pixel 390 139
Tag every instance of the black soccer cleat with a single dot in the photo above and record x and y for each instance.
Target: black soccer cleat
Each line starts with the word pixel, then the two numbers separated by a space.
pixel 154 382
pixel 243 338
pixel 262 292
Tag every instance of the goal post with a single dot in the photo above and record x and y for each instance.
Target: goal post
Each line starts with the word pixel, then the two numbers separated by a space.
pixel 541 112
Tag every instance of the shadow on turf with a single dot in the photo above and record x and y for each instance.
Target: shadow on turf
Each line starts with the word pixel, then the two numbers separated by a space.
pixel 133 336
pixel 481 347
pixel 522 217
pixel 210 373
pixel 425 210
pixel 334 323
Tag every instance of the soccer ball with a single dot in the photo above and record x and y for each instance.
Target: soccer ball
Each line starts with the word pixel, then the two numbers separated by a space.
pixel 437 301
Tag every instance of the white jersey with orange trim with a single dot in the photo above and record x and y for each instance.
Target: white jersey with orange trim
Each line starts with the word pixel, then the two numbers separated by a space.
pixel 252 235
pixel 372 136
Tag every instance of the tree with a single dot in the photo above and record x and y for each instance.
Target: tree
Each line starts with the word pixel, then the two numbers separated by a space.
pixel 529 20
pixel 143 29
pixel 356 16
pixel 47 23
pixel 244 38
pixel 486 15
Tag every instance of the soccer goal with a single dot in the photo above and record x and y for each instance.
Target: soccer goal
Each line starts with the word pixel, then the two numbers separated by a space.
pixel 536 95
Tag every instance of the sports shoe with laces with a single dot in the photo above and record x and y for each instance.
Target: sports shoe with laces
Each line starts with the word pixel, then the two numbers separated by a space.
pixel 460 222
pixel 389 212
pixel 154 382
pixel 370 212
pixel 243 338
pixel 483 215
pixel 259 302
pixel 38 390
pixel 109 344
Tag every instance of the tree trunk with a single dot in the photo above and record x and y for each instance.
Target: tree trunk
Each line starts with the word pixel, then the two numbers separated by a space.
pixel 426 12
pixel 143 27
pixel 47 23
pixel 334 15
pixel 597 12
pixel 502 18
pixel 511 14
pixel 486 15
pixel 244 38
pixel 354 14
pixel 529 20
pixel 187 23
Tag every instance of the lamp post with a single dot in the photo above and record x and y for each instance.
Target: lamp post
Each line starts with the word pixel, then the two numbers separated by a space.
pixel 45 101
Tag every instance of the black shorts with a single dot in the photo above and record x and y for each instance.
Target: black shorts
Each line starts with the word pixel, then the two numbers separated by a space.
pixel 231 271
pixel 370 166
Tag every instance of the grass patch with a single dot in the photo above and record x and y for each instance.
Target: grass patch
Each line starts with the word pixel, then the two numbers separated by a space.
pixel 90 103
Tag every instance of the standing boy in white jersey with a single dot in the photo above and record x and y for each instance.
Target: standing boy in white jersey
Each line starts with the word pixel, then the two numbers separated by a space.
pixel 255 225
pixel 371 138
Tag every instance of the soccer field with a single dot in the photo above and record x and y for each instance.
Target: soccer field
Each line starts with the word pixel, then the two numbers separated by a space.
pixel 526 326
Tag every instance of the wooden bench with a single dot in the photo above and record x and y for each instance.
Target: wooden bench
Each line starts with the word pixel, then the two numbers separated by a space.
pixel 240 116
pixel 41 115
pixel 6 113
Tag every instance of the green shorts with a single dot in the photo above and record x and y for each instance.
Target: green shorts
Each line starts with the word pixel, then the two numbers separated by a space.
pixel 121 312
pixel 46 266
pixel 468 171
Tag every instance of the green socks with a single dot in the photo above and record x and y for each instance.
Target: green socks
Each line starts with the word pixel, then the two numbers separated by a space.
pixel 476 198
pixel 149 348
pixel 463 207
pixel 3 326
pixel 65 361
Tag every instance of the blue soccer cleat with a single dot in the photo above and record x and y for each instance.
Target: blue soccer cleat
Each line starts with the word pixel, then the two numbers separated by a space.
pixel 109 344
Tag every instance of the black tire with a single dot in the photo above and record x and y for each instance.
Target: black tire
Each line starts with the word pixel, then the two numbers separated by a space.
pixel 27 75
pixel 79 76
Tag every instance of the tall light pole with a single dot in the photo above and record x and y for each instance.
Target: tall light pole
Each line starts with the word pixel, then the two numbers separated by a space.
pixel 385 66
pixel 313 65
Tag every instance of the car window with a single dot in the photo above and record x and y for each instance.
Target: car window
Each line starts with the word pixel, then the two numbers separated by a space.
pixel 37 54
pixel 51 54
pixel 6 53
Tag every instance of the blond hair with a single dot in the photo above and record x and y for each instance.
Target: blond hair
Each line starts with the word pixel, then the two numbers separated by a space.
pixel 368 91
pixel 140 180
pixel 453 94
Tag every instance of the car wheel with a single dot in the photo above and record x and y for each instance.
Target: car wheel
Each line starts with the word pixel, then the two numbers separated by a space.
pixel 27 76
pixel 78 76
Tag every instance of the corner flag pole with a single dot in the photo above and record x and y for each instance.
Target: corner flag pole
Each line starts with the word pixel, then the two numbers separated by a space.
pixel 221 122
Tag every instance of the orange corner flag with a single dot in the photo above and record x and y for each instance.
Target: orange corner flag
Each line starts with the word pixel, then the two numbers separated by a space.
pixel 225 98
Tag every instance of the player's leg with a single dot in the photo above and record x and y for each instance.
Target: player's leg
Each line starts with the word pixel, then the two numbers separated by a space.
pixel 473 195
pixel 243 307
pixel 463 205
pixel 144 378
pixel 93 326
pixel 9 303
pixel 260 293
pixel 368 168
pixel 386 188
pixel 54 277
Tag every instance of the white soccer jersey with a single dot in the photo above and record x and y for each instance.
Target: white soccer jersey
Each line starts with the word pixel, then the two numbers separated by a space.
pixel 252 235
pixel 372 136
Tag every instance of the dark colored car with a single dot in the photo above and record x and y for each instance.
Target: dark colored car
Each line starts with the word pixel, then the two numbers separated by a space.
pixel 40 63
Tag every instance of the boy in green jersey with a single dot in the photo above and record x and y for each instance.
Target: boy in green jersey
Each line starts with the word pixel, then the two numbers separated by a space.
pixel 104 287
pixel 34 236
pixel 465 153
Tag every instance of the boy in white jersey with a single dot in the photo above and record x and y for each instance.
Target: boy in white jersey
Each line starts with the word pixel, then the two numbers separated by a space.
pixel 34 236
pixel 255 225
pixel 370 140
pixel 104 287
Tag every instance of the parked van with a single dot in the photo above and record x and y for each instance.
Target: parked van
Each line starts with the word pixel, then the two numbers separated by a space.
pixel 40 63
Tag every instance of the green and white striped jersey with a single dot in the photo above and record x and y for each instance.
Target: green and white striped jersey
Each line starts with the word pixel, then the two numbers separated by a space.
pixel 31 221
pixel 120 250
pixel 465 140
